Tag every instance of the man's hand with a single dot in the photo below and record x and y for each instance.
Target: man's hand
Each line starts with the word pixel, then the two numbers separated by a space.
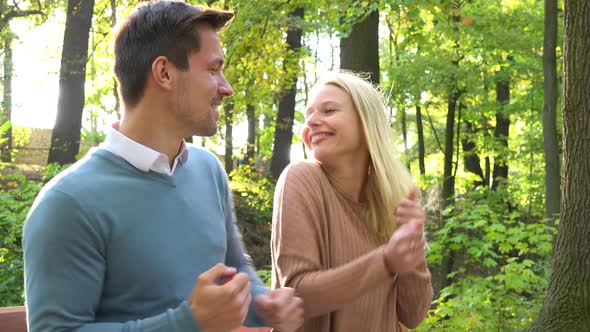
pixel 281 309
pixel 405 249
pixel 220 299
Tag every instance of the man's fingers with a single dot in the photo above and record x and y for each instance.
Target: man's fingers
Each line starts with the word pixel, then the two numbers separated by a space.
pixel 237 284
pixel 217 272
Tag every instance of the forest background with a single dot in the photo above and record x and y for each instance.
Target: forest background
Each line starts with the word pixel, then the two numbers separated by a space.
pixel 473 91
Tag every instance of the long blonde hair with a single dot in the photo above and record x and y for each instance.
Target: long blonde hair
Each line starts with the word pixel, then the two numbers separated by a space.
pixel 389 181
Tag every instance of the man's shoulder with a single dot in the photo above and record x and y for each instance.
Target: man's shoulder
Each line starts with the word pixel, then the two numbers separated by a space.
pixel 200 154
pixel 82 173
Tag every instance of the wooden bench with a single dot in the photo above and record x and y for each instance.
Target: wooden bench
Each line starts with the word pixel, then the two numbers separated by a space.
pixel 14 319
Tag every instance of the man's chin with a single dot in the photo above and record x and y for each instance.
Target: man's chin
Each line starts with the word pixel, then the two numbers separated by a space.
pixel 206 132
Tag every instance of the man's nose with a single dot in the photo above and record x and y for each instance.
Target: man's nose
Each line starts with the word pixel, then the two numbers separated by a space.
pixel 225 88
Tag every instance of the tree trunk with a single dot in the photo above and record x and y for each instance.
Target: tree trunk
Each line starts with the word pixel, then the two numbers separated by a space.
pixel 6 154
pixel 228 118
pixel 448 189
pixel 552 167
pixel 65 138
pixel 471 159
pixel 283 135
pixel 251 141
pixel 404 125
pixel 488 171
pixel 359 51
pixel 567 302
pixel 421 150
pixel 500 172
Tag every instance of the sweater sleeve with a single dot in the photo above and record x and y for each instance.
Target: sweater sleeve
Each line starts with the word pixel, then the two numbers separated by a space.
pixel 296 247
pixel 414 295
pixel 64 257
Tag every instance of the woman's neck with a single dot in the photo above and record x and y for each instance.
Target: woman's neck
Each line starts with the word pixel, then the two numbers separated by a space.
pixel 349 178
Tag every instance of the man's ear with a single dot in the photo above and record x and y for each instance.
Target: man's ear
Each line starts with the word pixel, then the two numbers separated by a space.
pixel 163 73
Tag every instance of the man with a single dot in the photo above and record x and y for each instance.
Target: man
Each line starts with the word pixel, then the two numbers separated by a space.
pixel 139 235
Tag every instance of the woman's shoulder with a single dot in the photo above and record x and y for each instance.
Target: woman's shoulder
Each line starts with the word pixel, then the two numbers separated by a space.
pixel 309 170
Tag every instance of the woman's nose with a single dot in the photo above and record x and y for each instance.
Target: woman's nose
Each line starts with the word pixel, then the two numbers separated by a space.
pixel 312 119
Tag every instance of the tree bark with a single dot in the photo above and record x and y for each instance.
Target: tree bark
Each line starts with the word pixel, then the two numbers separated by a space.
pixel 404 125
pixel 567 302
pixel 283 135
pixel 359 51
pixel 65 138
pixel 448 189
pixel 500 172
pixel 6 154
pixel 421 150
pixel 550 143
pixel 251 140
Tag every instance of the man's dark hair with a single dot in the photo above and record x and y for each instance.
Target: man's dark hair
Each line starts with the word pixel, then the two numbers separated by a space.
pixel 159 28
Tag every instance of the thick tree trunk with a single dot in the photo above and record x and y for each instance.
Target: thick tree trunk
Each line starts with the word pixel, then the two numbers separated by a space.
pixel 421 150
pixel 550 143
pixel 7 100
pixel 65 139
pixel 567 303
pixel 359 51
pixel 283 135
pixel 500 172
pixel 228 119
pixel 448 189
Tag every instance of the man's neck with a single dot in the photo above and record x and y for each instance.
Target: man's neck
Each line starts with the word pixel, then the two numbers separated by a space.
pixel 147 128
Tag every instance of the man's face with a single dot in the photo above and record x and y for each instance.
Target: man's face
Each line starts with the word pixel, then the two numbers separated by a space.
pixel 202 87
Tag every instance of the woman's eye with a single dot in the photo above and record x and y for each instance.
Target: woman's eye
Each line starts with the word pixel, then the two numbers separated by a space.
pixel 329 110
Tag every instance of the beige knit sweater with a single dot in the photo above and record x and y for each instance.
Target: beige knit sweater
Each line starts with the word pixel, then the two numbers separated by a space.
pixel 321 247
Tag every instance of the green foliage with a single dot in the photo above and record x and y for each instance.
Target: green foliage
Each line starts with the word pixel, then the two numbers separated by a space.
pixel 253 196
pixel 254 192
pixel 265 276
pixel 3 128
pixel 53 169
pixel 503 259
pixel 16 197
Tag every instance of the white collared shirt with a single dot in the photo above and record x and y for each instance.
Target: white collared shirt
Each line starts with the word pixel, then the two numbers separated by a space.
pixel 139 155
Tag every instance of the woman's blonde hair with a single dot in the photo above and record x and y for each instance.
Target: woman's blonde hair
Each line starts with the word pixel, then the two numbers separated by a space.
pixel 389 181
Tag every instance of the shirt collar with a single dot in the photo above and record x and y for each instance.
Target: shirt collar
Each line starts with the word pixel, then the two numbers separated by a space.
pixel 141 156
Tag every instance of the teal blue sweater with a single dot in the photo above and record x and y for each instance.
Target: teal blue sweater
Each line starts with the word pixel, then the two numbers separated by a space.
pixel 108 247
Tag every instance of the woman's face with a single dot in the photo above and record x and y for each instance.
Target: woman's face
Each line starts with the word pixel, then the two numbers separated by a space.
pixel 333 130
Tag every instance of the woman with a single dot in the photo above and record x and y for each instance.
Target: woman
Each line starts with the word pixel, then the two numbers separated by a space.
pixel 347 226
